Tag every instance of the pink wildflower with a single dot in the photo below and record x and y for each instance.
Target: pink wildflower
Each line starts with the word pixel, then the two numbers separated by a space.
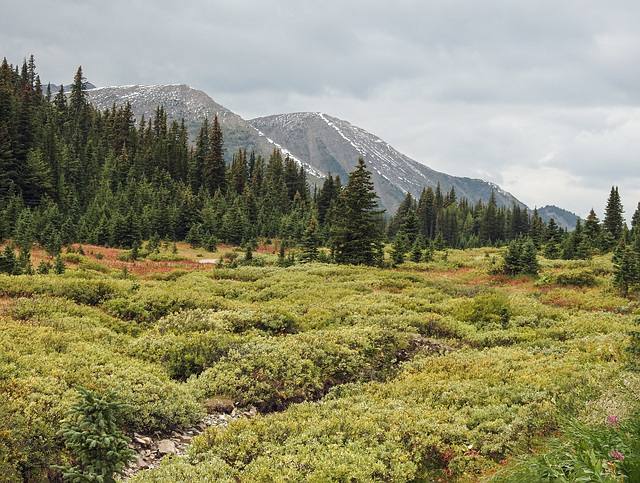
pixel 616 455
pixel 613 420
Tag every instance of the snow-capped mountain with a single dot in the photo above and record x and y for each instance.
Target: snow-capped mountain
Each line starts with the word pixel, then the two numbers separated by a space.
pixel 334 145
pixel 317 141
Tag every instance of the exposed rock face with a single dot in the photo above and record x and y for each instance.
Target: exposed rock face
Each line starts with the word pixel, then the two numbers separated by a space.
pixel 334 145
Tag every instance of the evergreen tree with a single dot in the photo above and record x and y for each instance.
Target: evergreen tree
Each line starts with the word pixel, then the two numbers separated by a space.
pixel 427 255
pixel 211 243
pixel 574 245
pixel 194 237
pixel 625 268
pixel 59 267
pixel 248 253
pixel 399 249
pixel 613 222
pixel 536 229
pixel 529 260
pixel 416 251
pixel 513 258
pixel 356 229
pixel 396 222
pixel 197 157
pixel 234 223
pixel 592 232
pixel 239 172
pixel 426 213
pixel 310 242
pixel 51 241
pixel 553 240
pixel 24 233
pixel 635 219
pixel 439 243
pixel 521 258
pixel 409 227
pixel 326 201
pixel 78 96
pixel 8 262
pixel 214 171
pixel 490 229
pixel 91 432
pixel 24 261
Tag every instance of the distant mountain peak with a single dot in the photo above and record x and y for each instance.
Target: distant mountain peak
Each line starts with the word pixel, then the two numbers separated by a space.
pixel 334 145
pixel 315 140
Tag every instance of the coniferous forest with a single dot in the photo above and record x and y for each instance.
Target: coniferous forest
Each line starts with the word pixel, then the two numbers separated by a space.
pixel 72 174
pixel 453 340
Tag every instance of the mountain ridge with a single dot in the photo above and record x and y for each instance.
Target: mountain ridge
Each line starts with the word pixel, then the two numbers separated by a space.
pixel 317 141
pixel 332 142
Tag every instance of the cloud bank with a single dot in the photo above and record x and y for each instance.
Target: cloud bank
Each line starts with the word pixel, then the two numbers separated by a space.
pixel 540 97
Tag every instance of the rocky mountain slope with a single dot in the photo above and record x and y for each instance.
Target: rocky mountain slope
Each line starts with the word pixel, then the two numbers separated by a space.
pixel 565 219
pixel 333 145
pixel 319 142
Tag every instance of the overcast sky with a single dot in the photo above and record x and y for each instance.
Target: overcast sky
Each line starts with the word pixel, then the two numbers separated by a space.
pixel 541 97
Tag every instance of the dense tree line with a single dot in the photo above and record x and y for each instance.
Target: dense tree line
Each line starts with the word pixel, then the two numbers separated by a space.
pixel 442 220
pixel 69 172
pixel 72 173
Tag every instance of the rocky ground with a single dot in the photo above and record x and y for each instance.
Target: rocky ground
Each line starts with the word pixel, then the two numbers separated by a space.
pixel 151 449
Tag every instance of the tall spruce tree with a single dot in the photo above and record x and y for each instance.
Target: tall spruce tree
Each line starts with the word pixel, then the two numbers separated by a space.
pixel 426 213
pixel 635 219
pixel 613 222
pixel 214 171
pixel 357 226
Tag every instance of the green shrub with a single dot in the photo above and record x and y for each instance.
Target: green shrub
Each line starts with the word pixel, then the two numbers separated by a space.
pixel 169 275
pixel 164 257
pixel 488 310
pixel 184 355
pixel 89 292
pixel 384 407
pixel 87 264
pixel 272 373
pixel 72 257
pixel 576 278
pixel 604 452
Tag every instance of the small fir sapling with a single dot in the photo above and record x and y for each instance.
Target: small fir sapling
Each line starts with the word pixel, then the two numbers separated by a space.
pixel 91 433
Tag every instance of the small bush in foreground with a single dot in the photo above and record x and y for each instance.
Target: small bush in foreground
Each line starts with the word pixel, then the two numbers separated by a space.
pixel 92 435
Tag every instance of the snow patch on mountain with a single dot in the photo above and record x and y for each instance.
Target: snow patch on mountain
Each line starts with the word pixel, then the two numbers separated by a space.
pixel 306 166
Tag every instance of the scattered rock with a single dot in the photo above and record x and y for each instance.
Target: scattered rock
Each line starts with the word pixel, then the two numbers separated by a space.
pixel 219 405
pixel 143 440
pixel 166 446
pixel 152 450
pixel 432 345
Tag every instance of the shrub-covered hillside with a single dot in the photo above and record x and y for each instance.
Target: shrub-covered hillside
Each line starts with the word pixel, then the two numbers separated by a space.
pixel 434 370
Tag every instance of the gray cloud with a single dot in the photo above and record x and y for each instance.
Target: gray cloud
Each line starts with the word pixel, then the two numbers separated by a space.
pixel 542 97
